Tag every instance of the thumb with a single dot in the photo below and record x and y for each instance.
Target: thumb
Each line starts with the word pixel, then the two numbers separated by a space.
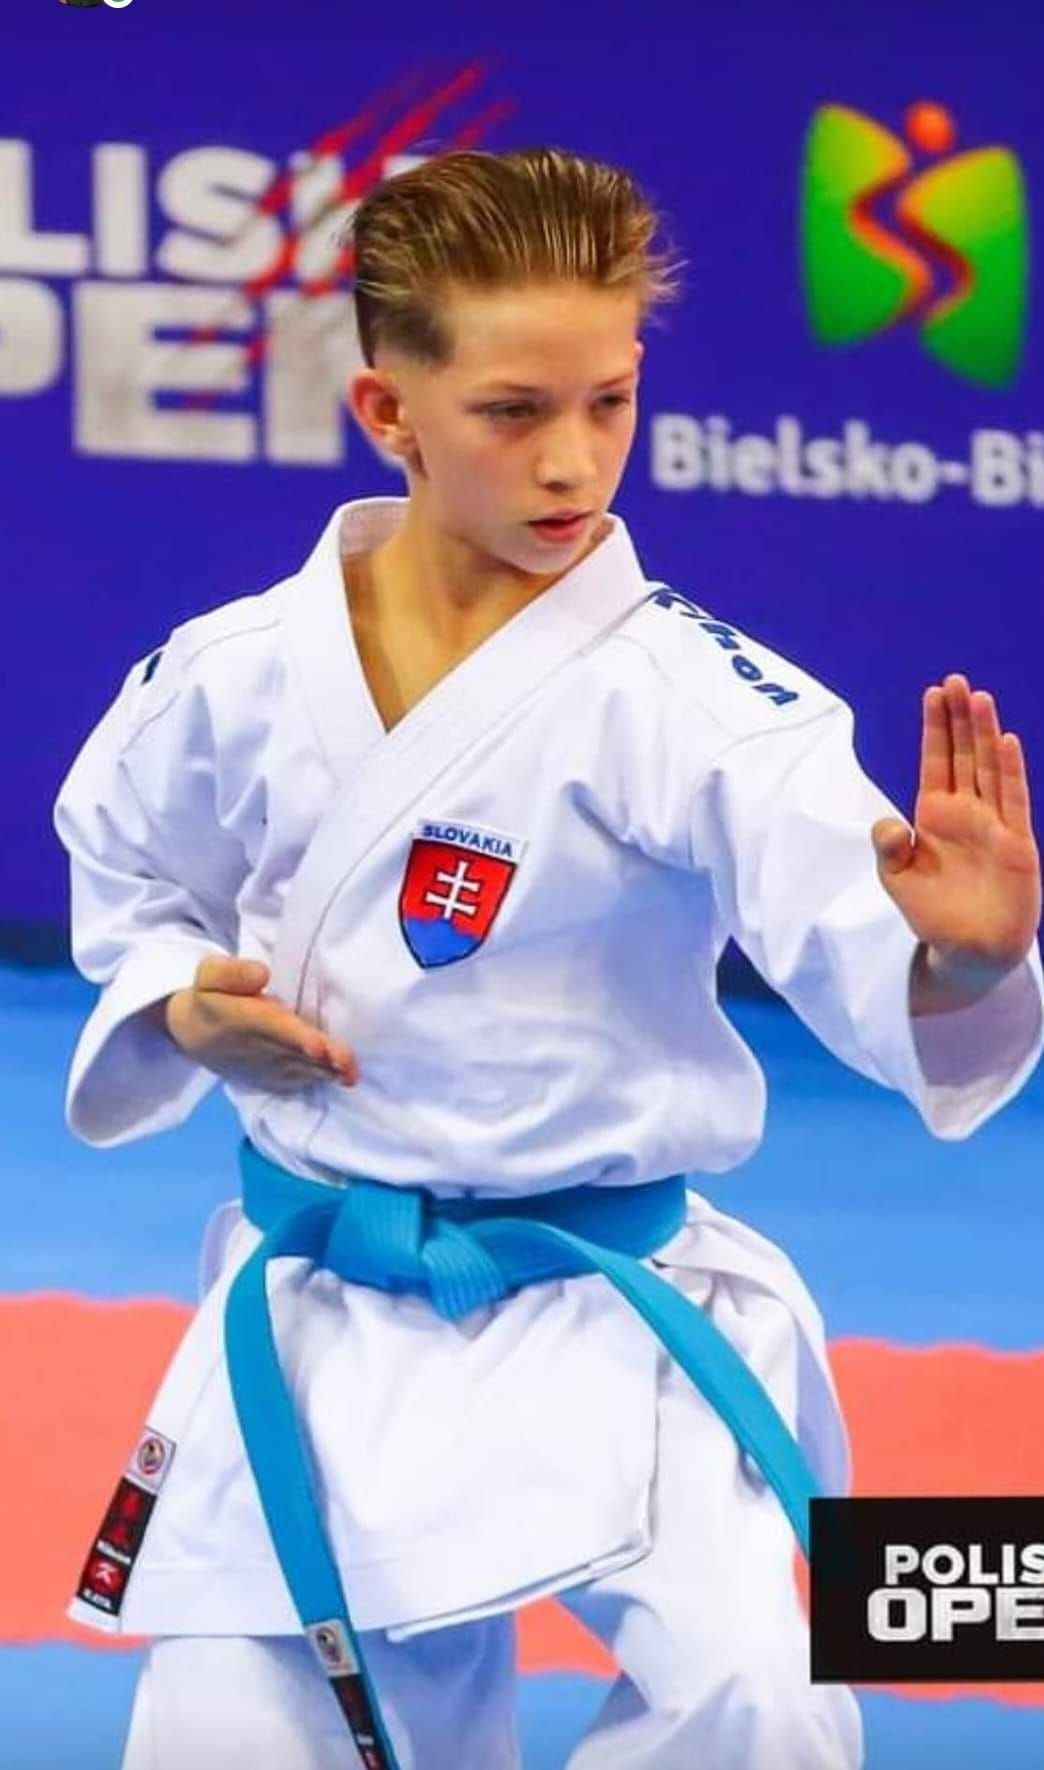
pixel 893 844
pixel 235 977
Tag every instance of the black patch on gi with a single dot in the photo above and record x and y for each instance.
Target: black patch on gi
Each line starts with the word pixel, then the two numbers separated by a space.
pixel 114 1551
pixel 350 1692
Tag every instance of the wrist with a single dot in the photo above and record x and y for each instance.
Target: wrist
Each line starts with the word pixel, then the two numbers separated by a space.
pixel 166 1014
pixel 943 983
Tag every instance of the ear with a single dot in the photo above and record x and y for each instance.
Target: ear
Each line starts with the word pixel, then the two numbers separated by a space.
pixel 376 403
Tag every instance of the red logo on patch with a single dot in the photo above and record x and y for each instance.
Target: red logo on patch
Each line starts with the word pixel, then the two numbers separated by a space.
pixel 105 1576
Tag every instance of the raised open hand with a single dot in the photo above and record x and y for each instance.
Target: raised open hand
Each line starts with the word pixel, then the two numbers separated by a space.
pixel 968 882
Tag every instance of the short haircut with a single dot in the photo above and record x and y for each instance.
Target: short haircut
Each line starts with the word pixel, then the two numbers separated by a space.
pixel 491 221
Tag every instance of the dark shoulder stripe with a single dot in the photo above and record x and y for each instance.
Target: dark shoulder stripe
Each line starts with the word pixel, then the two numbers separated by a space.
pixel 728 639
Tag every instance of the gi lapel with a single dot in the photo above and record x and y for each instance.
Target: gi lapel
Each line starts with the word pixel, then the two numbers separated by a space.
pixel 385 774
pixel 319 636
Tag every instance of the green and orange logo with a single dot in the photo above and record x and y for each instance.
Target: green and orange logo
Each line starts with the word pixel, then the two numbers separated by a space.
pixel 953 252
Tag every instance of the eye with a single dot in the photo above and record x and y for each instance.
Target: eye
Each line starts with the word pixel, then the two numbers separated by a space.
pixel 615 399
pixel 514 409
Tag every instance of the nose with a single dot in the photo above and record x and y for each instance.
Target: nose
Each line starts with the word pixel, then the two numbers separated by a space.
pixel 566 458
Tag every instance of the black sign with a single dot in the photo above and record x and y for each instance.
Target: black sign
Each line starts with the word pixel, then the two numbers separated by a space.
pixel 927 1590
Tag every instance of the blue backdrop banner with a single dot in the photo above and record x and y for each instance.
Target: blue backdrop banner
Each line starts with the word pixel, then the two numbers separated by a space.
pixel 841 446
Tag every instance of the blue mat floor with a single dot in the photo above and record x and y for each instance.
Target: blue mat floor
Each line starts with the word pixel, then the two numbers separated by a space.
pixel 66 1708
pixel 901 1237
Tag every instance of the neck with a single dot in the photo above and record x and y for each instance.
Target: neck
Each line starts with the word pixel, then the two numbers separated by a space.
pixel 454 590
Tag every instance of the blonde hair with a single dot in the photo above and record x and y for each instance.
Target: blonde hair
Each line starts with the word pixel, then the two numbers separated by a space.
pixel 488 221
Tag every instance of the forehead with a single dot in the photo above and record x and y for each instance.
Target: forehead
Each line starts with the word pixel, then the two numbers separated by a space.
pixel 528 334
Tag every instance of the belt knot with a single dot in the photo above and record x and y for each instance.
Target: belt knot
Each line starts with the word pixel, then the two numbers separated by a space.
pixel 393 1238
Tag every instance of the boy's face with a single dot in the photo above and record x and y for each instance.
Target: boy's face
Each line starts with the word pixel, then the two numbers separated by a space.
pixel 532 417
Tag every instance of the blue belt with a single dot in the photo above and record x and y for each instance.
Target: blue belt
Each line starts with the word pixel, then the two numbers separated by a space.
pixel 459 1254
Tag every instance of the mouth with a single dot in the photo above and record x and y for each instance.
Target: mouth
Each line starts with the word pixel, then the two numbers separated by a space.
pixel 564 527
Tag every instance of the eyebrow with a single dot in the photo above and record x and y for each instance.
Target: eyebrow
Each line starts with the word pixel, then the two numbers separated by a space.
pixel 523 387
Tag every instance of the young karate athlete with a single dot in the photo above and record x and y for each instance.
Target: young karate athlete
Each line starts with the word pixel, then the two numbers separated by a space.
pixel 429 853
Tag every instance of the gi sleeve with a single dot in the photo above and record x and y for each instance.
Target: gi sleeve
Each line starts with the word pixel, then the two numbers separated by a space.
pixel 784 821
pixel 154 879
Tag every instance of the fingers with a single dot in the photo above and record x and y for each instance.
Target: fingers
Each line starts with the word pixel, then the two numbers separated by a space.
pixel 936 745
pixel 965 750
pixel 285 1030
pixel 986 739
pixel 220 976
pixel 962 745
pixel 974 735
pixel 246 1054
pixel 1014 787
pixel 237 1028
pixel 236 977
pixel 328 1059
pixel 287 1076
pixel 892 844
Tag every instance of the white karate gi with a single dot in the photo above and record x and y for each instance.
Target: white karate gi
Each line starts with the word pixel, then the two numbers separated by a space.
pixel 658 781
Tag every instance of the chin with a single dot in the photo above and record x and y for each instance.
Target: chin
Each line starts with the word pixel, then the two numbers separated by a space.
pixel 543 558
pixel 535 558
pixel 551 562
pixel 535 561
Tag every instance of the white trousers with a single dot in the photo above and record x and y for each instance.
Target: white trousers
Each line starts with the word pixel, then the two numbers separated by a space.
pixel 707 1630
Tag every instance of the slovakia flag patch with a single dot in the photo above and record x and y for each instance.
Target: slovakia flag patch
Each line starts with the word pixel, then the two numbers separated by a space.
pixel 457 876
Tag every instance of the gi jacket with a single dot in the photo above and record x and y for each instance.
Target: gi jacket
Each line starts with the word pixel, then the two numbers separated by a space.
pixel 511 906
